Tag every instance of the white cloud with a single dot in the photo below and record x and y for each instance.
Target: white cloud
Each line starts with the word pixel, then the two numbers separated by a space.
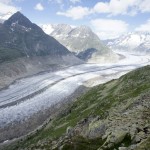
pixel 4 8
pixel 39 7
pixel 144 27
pixel 112 8
pixel 108 28
pixel 7 9
pixel 75 12
pixel 145 6
pixel 6 1
pixel 101 7
pixel 75 1
pixel 116 7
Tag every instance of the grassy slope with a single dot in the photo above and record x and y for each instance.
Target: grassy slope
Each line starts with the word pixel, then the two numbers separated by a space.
pixel 96 101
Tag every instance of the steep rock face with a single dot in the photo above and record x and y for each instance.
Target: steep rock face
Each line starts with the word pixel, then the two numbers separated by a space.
pixel 23 42
pixel 19 33
pixel 82 41
pixel 134 41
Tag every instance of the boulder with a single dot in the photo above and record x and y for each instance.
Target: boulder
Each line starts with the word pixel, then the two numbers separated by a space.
pixel 96 129
pixel 114 138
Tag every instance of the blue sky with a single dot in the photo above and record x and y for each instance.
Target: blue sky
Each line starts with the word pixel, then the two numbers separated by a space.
pixel 108 18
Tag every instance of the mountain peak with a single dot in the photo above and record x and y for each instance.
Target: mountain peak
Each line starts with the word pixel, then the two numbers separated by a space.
pixel 84 28
pixel 18 13
pixel 18 18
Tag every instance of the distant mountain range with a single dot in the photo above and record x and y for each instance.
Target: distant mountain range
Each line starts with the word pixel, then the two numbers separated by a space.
pixel 133 41
pixel 82 41
pixel 25 50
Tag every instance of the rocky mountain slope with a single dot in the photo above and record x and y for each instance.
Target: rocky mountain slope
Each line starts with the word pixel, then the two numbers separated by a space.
pixel 134 41
pixel 82 41
pixel 111 116
pixel 25 50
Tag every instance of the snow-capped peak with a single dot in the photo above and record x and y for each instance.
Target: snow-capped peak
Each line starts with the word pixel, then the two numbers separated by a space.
pixel 80 40
pixel 131 41
pixel 47 28
pixel 56 29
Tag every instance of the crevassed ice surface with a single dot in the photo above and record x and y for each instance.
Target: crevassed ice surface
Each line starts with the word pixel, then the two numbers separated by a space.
pixel 58 85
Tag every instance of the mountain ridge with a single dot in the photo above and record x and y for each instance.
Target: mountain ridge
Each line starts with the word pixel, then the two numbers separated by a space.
pixel 82 41
pixel 132 41
pixel 23 42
